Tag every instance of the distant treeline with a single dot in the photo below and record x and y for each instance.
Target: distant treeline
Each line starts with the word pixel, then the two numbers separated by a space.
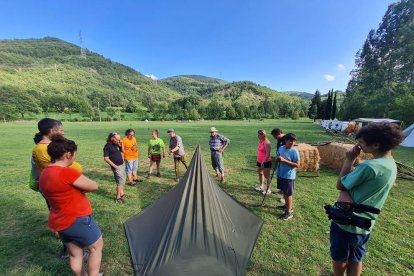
pixel 49 75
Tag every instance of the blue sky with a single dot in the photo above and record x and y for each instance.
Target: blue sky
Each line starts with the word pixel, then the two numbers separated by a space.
pixel 300 45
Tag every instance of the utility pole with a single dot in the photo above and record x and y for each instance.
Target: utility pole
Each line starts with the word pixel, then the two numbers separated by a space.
pixel 82 50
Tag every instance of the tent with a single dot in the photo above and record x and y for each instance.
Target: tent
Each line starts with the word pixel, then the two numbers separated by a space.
pixel 409 137
pixel 195 229
pixel 365 121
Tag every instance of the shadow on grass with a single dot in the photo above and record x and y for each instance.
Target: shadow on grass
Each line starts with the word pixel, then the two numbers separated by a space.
pixel 25 242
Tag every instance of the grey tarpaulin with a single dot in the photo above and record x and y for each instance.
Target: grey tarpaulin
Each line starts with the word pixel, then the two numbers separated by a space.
pixel 195 229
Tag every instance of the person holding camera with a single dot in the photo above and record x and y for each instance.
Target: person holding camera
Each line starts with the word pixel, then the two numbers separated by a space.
pixel 369 184
pixel 113 156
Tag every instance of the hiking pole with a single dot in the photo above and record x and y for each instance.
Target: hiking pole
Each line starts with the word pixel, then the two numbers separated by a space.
pixel 268 185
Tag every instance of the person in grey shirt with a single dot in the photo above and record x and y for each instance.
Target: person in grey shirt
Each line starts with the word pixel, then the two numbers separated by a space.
pixel 177 151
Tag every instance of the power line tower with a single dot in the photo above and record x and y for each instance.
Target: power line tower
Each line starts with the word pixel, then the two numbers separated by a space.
pixel 82 50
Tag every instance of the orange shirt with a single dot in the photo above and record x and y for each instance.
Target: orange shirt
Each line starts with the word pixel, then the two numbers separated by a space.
pixel 67 203
pixel 130 148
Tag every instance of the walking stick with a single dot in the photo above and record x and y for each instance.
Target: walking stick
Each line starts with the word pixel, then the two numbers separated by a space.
pixel 268 185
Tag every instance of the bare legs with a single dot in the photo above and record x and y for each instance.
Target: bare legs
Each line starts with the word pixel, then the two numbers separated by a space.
pixel 352 268
pixel 94 259
pixel 264 173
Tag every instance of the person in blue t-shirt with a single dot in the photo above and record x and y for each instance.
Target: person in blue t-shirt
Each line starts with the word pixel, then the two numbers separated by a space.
pixel 288 158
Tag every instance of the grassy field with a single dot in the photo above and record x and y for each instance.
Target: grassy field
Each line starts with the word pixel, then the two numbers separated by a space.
pixel 296 247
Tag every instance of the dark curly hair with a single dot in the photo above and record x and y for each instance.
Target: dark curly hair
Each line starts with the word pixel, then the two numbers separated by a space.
pixel 59 146
pixel 387 135
pixel 128 131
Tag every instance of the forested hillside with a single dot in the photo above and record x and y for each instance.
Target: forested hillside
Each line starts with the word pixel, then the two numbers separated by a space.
pixel 50 75
pixel 382 83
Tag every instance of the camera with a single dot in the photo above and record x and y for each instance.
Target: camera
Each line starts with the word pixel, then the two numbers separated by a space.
pixel 346 215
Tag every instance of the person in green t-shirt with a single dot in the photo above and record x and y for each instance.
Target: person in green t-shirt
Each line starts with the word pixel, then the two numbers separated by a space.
pixel 369 183
pixel 156 147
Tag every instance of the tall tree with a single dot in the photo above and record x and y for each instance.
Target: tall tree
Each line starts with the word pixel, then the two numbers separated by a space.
pixel 334 106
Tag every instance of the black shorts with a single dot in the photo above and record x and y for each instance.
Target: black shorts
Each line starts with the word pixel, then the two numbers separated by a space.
pixel 267 164
pixel 286 185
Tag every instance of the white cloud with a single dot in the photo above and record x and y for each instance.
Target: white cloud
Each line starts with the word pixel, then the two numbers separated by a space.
pixel 340 67
pixel 329 77
pixel 151 76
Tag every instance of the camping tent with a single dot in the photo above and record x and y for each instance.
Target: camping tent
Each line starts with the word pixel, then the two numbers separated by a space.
pixel 195 229
pixel 409 137
pixel 365 121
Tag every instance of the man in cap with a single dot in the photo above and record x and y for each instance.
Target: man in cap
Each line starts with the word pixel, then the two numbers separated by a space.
pixel 177 151
pixel 218 144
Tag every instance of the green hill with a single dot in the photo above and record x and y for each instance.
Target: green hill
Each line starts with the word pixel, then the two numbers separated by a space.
pixel 51 76
pixel 191 84
pixel 302 95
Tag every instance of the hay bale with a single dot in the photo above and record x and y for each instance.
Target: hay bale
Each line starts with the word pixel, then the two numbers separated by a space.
pixel 309 158
pixel 333 155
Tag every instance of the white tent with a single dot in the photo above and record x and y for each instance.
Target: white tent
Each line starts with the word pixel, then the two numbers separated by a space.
pixel 408 130
pixel 409 137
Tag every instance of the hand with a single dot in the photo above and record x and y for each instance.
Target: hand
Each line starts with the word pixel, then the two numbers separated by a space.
pixel 221 150
pixel 149 156
pixel 170 153
pixel 281 159
pixel 262 166
pixel 353 153
pixel 116 168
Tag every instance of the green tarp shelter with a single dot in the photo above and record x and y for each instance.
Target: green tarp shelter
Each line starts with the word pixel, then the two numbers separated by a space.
pixel 195 229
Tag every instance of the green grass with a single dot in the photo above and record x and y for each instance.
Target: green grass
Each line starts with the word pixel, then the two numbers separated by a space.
pixel 296 247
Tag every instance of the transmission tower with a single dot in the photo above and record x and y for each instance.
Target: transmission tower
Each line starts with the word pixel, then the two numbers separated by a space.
pixel 82 50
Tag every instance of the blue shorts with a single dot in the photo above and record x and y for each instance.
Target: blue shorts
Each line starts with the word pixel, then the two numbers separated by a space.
pixel 347 246
pixel 286 185
pixel 84 231
pixel 131 166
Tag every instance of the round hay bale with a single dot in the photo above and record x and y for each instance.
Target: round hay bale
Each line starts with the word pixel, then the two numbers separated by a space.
pixel 333 155
pixel 309 158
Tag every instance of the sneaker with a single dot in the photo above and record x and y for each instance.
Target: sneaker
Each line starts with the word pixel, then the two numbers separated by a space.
pixel 177 179
pixel 120 200
pixel 268 192
pixel 132 184
pixel 283 207
pixel 137 180
pixel 282 200
pixel 258 188
pixel 148 176
pixel 286 216
pixel 158 175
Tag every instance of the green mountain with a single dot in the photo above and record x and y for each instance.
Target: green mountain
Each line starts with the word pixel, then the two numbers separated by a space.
pixel 302 95
pixel 50 75
pixel 191 84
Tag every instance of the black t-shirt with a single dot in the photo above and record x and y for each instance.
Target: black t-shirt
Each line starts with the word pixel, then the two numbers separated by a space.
pixel 114 153
pixel 280 142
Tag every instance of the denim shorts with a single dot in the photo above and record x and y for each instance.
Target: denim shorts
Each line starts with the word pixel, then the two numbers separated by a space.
pixel 84 231
pixel 131 166
pixel 345 245
pixel 286 185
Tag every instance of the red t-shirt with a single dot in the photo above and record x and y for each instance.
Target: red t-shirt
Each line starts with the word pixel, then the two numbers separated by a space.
pixel 66 201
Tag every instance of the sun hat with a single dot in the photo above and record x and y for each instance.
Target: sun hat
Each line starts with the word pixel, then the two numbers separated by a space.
pixel 213 129
pixel 170 130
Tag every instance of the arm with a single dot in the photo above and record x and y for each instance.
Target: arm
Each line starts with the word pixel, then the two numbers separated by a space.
pixel 85 184
pixel 268 148
pixel 290 163
pixel 149 151
pixel 226 142
pixel 351 155
pixel 112 164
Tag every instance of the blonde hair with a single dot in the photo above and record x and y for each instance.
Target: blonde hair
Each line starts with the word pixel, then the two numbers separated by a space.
pixel 262 132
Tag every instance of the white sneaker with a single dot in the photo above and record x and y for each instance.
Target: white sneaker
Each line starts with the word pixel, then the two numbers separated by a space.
pixel 268 192
pixel 258 188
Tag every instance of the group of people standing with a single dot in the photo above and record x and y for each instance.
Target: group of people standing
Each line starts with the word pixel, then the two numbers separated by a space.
pixel 287 159
pixel 59 179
